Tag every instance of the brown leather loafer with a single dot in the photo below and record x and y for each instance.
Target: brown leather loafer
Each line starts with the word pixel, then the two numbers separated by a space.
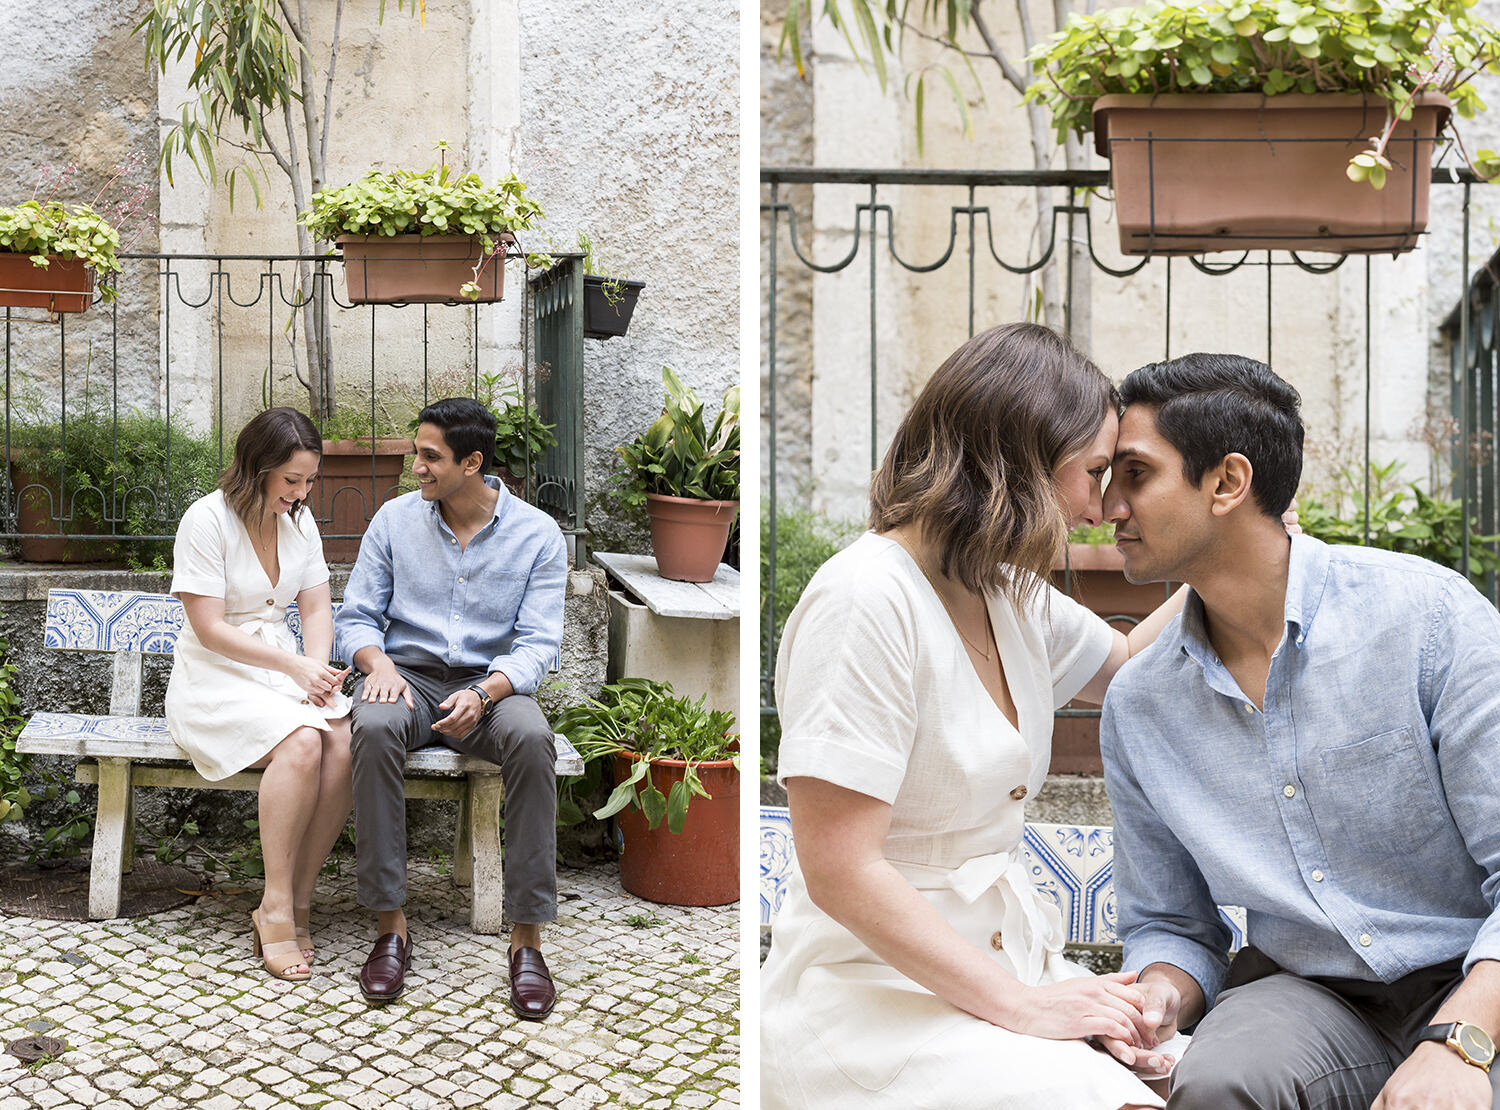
pixel 383 977
pixel 532 994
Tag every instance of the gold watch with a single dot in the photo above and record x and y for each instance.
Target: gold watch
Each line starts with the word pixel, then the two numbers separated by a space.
pixel 485 701
pixel 1465 1038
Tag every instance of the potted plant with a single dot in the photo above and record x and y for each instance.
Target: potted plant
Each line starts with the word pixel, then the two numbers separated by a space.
pixel 429 236
pixel 1240 124
pixel 608 297
pixel 676 767
pixel 688 478
pixel 361 469
pixel 521 438
pixel 50 254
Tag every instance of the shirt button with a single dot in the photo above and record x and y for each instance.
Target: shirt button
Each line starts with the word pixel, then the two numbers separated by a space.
pixel 460 578
pixel 452 647
pixel 452 539
pixel 1018 793
pixel 1364 940
pixel 995 941
pixel 1317 876
pixel 1249 708
pixel 1289 790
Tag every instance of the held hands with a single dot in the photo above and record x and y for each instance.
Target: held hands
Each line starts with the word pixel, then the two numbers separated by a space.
pixel 384 683
pixel 467 710
pixel 1159 1006
pixel 1108 1007
pixel 1434 1077
pixel 320 680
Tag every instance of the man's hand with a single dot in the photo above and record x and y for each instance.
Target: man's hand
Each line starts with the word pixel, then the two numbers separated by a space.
pixel 384 683
pixel 1434 1077
pixel 466 708
pixel 318 680
pixel 1160 1004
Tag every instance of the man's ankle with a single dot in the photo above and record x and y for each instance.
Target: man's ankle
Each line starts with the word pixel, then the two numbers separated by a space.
pixel 525 936
pixel 392 921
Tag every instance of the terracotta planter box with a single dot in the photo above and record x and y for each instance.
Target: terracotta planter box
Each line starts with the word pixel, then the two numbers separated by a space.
pixel 420 269
pixel 1097 580
pixel 698 866
pixel 603 318
pixel 1241 171
pixel 356 477
pixel 36 509
pixel 688 537
pixel 66 285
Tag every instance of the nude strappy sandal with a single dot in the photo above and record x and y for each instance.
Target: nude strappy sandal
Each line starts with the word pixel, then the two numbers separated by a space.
pixel 276 945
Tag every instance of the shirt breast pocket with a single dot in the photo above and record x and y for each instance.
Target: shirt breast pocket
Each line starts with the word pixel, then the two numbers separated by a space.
pixel 1383 792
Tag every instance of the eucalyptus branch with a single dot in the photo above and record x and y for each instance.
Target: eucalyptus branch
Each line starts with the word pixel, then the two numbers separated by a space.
pixel 1016 79
pixel 333 59
pixel 292 25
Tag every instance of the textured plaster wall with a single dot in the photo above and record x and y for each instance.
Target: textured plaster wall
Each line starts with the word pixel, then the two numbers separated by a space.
pixel 629 129
pixel 73 91
pixel 1317 324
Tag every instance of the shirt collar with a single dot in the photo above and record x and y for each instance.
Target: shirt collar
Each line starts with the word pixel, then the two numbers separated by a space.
pixel 495 484
pixel 1307 575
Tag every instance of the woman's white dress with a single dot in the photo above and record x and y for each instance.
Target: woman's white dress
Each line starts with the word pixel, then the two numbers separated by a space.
pixel 227 715
pixel 877 694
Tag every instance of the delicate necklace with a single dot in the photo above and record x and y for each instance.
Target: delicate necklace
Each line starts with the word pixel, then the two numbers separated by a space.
pixel 984 651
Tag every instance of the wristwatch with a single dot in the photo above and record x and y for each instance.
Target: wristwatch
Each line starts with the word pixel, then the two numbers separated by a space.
pixel 1465 1038
pixel 485 701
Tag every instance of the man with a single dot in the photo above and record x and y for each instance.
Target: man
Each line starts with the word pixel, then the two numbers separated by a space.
pixel 1317 739
pixel 453 614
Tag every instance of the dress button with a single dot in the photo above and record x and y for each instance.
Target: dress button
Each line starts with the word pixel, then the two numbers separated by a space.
pixel 1289 790
pixel 306 702
pixel 995 941
pixel 1018 793
pixel 270 601
pixel 1364 940
pixel 1317 876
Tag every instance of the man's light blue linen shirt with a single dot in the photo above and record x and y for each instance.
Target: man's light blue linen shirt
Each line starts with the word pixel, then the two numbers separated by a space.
pixel 495 605
pixel 1357 819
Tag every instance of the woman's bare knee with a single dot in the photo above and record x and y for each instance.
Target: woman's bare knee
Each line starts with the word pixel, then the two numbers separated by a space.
pixel 301 750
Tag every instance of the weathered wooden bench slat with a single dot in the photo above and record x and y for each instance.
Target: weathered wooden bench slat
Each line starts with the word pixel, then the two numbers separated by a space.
pixel 131 625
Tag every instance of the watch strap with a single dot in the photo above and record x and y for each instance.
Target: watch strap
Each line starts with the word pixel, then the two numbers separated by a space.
pixel 485 701
pixel 1448 1033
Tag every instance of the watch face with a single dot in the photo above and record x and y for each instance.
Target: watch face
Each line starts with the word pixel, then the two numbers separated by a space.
pixel 1476 1042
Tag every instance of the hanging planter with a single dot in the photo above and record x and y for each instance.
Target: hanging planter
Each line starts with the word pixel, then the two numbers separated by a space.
pixel 422 269
pixel 63 285
pixel 608 304
pixel 1242 171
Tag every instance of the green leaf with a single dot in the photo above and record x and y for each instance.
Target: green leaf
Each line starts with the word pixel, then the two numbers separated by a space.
pixel 677 806
pixel 654 806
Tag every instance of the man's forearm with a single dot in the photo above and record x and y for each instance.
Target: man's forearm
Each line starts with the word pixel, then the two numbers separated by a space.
pixel 1192 1005
pixel 497 685
pixel 366 659
pixel 1476 1000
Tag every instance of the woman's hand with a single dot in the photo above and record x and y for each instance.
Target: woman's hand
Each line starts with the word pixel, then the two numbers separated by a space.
pixel 1075 1009
pixel 320 680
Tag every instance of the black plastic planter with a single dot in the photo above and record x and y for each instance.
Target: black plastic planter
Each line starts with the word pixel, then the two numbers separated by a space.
pixel 601 318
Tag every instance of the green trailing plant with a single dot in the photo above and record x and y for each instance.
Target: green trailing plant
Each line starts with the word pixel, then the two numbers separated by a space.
pixel 679 456
pixel 434 201
pixel 647 721
pixel 595 263
pixel 65 230
pixel 1394 50
pixel 17 769
pixel 1403 517
pixel 521 436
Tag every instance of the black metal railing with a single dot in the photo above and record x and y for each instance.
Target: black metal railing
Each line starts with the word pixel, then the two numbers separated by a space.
pixel 975 202
pixel 117 419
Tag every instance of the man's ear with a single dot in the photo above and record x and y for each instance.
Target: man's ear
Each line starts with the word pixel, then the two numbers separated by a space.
pixel 1229 483
pixel 474 464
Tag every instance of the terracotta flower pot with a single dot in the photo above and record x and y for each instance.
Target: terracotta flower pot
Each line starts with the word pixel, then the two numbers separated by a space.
pixel 420 269
pixel 1238 171
pixel 66 285
pixel 37 507
pixel 688 536
pixel 356 477
pixel 698 866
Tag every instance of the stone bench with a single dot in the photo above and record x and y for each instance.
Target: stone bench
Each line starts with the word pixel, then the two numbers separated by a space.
pixel 1071 865
pixel 124 750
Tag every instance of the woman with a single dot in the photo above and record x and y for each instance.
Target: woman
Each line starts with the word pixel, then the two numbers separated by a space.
pixel 241 695
pixel 913 963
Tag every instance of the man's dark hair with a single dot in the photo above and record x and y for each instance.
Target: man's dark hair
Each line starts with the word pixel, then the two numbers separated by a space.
pixel 467 427
pixel 1209 406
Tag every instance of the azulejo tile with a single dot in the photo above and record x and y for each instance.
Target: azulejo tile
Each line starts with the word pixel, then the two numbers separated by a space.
pixel 111 620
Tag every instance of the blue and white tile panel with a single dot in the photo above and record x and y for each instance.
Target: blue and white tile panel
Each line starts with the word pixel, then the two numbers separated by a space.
pixel 123 620
pixel 1073 865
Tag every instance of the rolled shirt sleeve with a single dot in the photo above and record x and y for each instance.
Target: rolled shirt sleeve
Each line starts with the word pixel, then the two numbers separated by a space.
pixel 539 622
pixel 1166 912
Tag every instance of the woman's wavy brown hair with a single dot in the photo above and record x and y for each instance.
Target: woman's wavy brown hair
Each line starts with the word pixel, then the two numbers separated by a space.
pixel 265 443
pixel 972 462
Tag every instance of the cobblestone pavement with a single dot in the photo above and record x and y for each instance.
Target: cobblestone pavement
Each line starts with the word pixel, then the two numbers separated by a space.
pixel 171 1010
